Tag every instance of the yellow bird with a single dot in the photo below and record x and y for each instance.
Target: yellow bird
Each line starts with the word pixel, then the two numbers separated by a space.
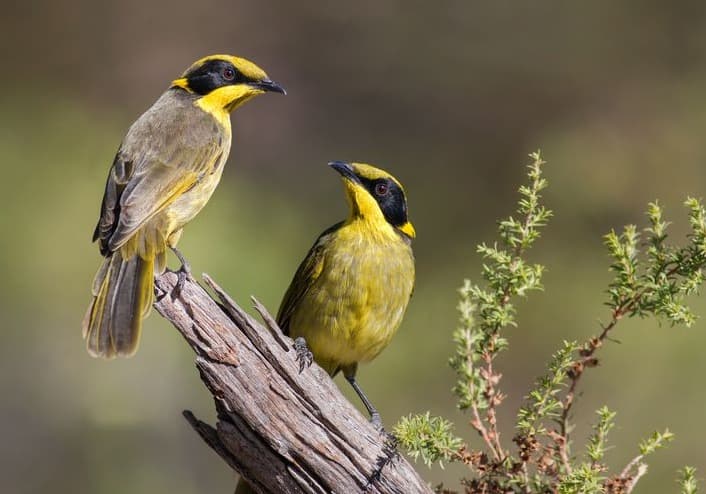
pixel 165 171
pixel 350 293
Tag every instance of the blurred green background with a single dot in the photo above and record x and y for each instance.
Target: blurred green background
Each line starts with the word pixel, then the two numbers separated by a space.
pixel 450 97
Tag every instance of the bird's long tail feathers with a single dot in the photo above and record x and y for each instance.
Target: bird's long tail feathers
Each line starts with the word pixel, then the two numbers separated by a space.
pixel 243 487
pixel 122 297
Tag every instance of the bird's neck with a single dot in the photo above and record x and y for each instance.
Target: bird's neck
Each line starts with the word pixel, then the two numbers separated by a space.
pixel 372 226
pixel 222 101
pixel 222 115
pixel 365 215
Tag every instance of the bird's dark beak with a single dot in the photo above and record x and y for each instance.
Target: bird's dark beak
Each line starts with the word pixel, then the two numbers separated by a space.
pixel 345 169
pixel 268 85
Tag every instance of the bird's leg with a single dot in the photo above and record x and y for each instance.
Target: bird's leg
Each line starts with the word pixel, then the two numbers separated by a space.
pixel 183 273
pixel 304 355
pixel 375 418
pixel 389 446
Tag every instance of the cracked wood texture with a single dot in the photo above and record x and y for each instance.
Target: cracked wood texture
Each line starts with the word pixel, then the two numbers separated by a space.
pixel 284 431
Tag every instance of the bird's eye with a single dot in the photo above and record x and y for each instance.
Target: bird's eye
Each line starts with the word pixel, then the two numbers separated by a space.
pixel 228 73
pixel 381 189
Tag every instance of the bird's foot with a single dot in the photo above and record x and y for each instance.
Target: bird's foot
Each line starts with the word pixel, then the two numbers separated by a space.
pixel 183 273
pixel 159 294
pixel 376 420
pixel 390 445
pixel 304 355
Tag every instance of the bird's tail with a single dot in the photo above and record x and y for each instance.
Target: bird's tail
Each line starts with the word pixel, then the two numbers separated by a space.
pixel 122 297
pixel 243 487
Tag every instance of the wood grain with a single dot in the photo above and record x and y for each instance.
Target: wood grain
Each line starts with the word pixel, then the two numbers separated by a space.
pixel 284 431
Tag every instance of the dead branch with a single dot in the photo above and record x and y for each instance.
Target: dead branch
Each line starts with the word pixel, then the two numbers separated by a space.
pixel 282 430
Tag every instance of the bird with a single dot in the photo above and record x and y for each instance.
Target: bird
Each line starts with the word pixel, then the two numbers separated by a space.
pixel 350 293
pixel 164 172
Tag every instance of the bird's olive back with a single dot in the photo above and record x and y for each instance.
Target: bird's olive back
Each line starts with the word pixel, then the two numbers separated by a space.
pixel 390 197
pixel 214 74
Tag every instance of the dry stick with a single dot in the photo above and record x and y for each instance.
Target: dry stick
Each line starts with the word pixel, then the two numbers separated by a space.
pixel 640 470
pixel 476 421
pixel 490 434
pixel 282 430
pixel 491 416
pixel 577 372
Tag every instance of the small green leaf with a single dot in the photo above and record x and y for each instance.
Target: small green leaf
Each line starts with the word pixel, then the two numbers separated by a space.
pixel 429 438
pixel 687 480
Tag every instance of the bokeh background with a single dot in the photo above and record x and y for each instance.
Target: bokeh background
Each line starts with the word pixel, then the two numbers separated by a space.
pixel 449 96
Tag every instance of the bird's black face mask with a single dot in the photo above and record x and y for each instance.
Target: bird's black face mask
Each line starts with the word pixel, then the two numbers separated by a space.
pixel 390 197
pixel 214 74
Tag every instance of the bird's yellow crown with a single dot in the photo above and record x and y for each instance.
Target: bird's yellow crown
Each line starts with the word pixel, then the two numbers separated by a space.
pixel 246 67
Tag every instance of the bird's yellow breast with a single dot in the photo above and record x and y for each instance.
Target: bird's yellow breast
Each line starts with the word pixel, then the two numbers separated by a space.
pixel 188 205
pixel 194 144
pixel 358 300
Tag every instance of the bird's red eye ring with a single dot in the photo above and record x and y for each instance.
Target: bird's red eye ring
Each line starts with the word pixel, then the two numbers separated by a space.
pixel 228 74
pixel 381 189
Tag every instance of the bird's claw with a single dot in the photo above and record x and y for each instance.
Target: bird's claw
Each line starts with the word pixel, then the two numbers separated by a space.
pixel 390 445
pixel 183 274
pixel 304 355
pixel 376 420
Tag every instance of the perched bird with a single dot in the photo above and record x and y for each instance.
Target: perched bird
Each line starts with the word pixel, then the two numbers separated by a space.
pixel 165 171
pixel 349 295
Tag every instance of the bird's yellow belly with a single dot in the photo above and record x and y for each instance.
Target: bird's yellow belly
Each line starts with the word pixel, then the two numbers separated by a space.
pixel 357 303
pixel 191 202
pixel 164 228
pixel 174 217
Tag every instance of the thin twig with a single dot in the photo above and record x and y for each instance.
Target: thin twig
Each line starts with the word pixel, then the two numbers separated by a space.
pixel 588 360
pixel 632 482
pixel 477 422
pixel 632 464
pixel 490 434
pixel 493 396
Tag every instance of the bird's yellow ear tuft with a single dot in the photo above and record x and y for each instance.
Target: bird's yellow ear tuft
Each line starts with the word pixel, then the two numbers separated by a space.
pixel 408 229
pixel 182 83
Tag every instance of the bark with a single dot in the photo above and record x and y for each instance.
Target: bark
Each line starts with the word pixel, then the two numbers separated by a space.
pixel 284 431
